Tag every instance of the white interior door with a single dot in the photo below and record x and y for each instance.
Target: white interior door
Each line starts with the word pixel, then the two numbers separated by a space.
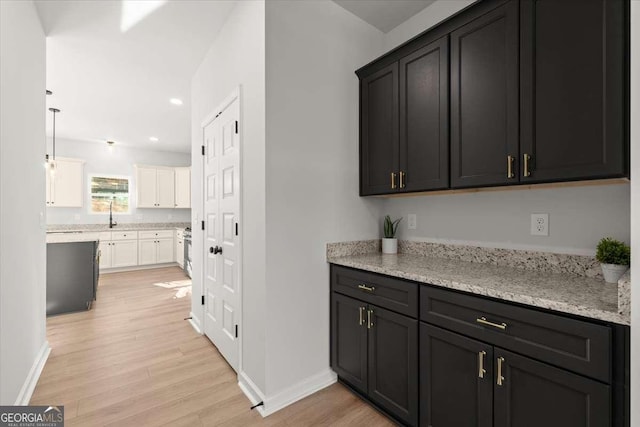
pixel 221 210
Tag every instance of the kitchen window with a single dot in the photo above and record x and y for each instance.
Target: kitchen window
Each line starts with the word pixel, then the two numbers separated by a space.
pixel 109 189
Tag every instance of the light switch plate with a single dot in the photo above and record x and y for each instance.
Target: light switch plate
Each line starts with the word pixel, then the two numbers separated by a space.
pixel 412 222
pixel 539 224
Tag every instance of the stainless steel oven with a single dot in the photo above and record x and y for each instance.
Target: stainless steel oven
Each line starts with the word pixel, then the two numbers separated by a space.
pixel 187 251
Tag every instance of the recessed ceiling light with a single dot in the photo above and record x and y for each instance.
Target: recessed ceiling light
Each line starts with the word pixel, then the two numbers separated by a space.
pixel 175 101
pixel 153 139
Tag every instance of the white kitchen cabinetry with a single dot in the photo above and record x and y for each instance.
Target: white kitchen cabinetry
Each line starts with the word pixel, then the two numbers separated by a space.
pixel 156 247
pixel 118 249
pixel 156 186
pixel 183 187
pixel 64 186
pixel 180 247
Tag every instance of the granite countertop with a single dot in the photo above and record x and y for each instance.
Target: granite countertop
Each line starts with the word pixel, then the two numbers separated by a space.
pixel 92 228
pixel 568 293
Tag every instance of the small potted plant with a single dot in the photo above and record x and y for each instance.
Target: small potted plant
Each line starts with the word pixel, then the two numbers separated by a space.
pixel 389 242
pixel 614 257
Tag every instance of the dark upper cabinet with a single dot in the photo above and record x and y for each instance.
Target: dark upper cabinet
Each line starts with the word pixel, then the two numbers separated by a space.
pixel 349 340
pixel 573 78
pixel 456 380
pixel 533 394
pixel 393 363
pixel 424 118
pixel 484 99
pixel 379 132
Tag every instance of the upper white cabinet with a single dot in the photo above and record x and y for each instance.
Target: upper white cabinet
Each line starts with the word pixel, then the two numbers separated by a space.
pixel 183 187
pixel 64 186
pixel 156 186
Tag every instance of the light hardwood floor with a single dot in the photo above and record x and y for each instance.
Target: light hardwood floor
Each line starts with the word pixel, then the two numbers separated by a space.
pixel 133 361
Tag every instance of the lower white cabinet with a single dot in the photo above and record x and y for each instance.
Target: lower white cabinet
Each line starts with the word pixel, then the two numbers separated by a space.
pixel 118 253
pixel 156 247
pixel 180 247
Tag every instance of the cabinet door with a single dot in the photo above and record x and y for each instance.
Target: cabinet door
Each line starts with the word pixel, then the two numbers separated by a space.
pixel 573 89
pixel 484 99
pixel 164 251
pixel 124 253
pixel 180 252
pixel 146 187
pixel 147 253
pixel 424 118
pixel 534 394
pixel 48 187
pixel 393 363
pixel 183 187
pixel 105 254
pixel 349 340
pixel 456 380
pixel 166 188
pixel 379 149
pixel 67 184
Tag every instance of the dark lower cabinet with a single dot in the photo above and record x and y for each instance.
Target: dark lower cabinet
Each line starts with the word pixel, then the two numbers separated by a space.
pixel 484 99
pixel 573 82
pixel 349 340
pixel 533 394
pixel 375 351
pixel 393 363
pixel 456 380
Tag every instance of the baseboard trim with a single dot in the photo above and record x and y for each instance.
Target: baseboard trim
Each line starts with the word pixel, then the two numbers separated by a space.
pixel 137 267
pixel 195 323
pixel 299 391
pixel 34 375
pixel 251 390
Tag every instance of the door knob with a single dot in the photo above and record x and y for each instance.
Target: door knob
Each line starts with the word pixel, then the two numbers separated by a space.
pixel 217 250
pixel 211 250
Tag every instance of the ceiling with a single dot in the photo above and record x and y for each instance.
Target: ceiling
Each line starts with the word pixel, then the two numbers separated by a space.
pixel 112 69
pixel 384 15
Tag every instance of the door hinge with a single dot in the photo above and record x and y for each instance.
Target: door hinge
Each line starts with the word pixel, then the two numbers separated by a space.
pixel 203 150
pixel 236 126
pixel 203 225
pixel 202 299
pixel 236 228
pixel 236 331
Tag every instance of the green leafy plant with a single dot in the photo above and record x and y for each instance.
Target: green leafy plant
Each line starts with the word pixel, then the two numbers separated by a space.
pixel 390 227
pixel 611 251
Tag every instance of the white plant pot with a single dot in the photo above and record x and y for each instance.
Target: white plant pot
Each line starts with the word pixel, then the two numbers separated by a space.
pixel 389 246
pixel 613 272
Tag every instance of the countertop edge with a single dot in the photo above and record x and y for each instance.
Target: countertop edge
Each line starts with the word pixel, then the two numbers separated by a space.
pixel 607 316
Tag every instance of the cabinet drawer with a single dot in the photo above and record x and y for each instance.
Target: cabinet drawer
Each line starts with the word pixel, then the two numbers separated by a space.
pixel 153 234
pixel 576 345
pixel 395 294
pixel 124 235
pixel 104 235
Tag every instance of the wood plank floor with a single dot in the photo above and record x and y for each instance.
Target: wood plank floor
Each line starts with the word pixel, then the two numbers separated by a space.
pixel 133 361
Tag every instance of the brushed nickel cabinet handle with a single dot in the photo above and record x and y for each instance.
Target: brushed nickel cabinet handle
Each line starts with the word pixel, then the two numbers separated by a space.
pixel 510 173
pixel 525 162
pixel 499 377
pixel 402 179
pixel 369 322
pixel 366 288
pixel 393 180
pixel 481 370
pixel 361 312
pixel 484 321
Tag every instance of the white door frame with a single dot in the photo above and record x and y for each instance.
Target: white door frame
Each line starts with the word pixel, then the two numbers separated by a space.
pixel 235 94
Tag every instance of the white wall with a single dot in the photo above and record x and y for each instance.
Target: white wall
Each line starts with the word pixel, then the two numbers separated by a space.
pixel 635 212
pixel 313 49
pixel 22 198
pixel 117 160
pixel 237 58
pixel 423 20
pixel 578 217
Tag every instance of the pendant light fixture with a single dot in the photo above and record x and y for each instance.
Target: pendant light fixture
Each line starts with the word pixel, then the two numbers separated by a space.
pixel 51 162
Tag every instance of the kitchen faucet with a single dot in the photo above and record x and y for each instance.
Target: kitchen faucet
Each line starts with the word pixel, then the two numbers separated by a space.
pixel 112 223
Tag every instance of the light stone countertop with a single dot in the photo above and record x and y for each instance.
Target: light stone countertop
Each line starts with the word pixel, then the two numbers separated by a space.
pixel 583 296
pixel 91 228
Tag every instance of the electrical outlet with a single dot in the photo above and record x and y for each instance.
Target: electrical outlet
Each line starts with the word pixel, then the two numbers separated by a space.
pixel 412 222
pixel 540 224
